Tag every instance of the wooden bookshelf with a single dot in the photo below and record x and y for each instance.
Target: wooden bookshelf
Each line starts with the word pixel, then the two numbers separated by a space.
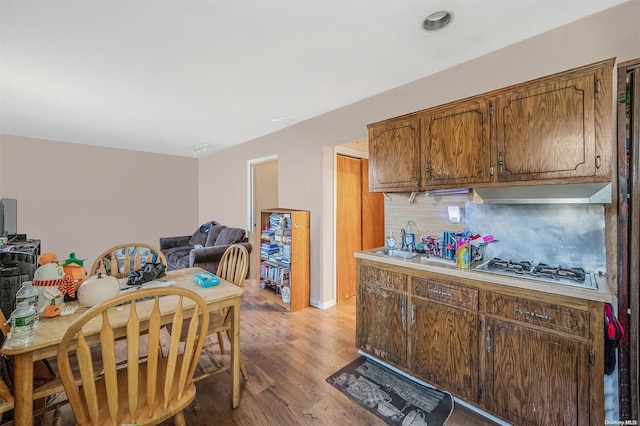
pixel 284 257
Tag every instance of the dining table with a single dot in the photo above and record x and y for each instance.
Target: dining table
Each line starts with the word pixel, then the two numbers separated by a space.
pixel 49 332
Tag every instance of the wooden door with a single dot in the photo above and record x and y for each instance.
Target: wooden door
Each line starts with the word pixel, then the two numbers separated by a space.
pixel 444 347
pixel 629 236
pixel 372 212
pixel 552 372
pixel 394 154
pixel 359 221
pixel 348 224
pixel 455 147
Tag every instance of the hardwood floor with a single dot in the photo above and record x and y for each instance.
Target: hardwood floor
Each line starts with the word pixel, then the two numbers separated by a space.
pixel 288 357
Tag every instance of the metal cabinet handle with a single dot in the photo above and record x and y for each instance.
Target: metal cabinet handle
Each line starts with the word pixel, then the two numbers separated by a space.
pixel 500 163
pixel 413 315
pixel 488 339
pixel 402 310
pixel 440 292
pixel 427 166
pixel 534 314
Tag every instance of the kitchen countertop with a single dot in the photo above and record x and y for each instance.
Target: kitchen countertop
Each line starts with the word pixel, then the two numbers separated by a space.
pixel 448 267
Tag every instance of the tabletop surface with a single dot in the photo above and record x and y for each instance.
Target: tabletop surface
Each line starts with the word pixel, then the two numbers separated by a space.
pixel 50 330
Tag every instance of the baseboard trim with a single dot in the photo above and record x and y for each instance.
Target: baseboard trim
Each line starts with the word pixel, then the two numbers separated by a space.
pixel 322 305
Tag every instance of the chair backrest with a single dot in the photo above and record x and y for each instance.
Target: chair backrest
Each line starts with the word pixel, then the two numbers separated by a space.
pixel 120 260
pixel 234 264
pixel 4 326
pixel 140 392
pixel 5 393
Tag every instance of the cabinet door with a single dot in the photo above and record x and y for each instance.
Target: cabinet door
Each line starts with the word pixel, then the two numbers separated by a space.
pixel 455 146
pixel 444 347
pixel 394 156
pixel 534 377
pixel 548 131
pixel 382 324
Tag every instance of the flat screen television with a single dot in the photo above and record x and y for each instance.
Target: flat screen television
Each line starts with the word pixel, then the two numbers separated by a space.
pixel 8 217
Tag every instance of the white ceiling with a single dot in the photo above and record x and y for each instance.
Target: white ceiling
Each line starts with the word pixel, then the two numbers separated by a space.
pixel 168 76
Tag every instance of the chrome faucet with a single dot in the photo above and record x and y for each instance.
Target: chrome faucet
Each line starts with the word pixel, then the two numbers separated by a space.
pixel 403 234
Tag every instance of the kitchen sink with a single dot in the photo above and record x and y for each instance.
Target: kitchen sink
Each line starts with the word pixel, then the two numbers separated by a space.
pixel 397 253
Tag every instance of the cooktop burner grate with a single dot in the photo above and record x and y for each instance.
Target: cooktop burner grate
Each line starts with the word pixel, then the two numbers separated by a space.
pixel 540 271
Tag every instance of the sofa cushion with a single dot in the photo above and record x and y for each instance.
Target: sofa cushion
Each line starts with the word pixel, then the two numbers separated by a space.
pixel 199 238
pixel 213 235
pixel 230 236
pixel 177 257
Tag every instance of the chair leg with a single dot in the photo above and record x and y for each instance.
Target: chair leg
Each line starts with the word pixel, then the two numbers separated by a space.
pixel 243 370
pixel 221 342
pixel 179 420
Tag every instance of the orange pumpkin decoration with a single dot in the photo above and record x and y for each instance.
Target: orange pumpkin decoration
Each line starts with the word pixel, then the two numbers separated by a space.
pixel 74 268
pixel 45 258
pixel 77 273
pixel 52 310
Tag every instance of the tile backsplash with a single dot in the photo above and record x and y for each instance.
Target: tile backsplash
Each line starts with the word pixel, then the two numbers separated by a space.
pixel 428 212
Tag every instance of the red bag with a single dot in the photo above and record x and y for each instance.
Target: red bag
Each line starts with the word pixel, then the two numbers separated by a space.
pixel 613 333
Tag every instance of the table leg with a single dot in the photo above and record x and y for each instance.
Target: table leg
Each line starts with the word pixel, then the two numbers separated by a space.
pixel 235 354
pixel 23 389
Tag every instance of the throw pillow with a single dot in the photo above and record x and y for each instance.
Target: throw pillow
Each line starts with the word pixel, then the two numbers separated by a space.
pixel 230 236
pixel 213 235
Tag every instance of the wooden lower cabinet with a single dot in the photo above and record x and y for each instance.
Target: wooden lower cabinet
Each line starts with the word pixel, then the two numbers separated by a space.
pixel 535 377
pixel 382 314
pixel 527 357
pixel 444 347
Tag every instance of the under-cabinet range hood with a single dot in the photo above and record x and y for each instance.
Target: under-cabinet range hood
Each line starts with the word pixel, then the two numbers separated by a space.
pixel 575 193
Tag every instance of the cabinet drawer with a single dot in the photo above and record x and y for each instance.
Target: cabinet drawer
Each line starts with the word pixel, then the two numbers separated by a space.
pixel 451 294
pixel 383 277
pixel 554 317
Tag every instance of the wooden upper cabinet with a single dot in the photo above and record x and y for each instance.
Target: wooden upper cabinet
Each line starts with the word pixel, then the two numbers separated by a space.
pixel 455 144
pixel 555 128
pixel 394 156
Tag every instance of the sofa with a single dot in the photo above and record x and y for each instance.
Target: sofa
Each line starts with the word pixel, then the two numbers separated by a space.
pixel 204 248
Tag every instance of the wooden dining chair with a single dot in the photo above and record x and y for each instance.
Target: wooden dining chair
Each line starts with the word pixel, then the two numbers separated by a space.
pixel 233 267
pixel 120 260
pixel 139 393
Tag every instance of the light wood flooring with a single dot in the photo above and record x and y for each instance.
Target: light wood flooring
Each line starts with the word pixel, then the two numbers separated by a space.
pixel 288 357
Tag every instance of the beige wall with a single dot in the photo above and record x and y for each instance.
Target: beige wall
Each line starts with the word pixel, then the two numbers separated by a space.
pixel 82 198
pixel 85 199
pixel 305 168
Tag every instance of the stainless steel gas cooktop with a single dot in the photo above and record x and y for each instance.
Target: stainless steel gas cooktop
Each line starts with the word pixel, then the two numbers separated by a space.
pixel 558 274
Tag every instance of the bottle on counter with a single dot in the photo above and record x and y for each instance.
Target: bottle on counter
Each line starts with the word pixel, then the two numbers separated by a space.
pixel 23 321
pixel 391 241
pixel 410 236
pixel 29 293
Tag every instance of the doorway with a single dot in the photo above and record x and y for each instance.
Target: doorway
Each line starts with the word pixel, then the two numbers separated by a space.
pixel 263 194
pixel 359 220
